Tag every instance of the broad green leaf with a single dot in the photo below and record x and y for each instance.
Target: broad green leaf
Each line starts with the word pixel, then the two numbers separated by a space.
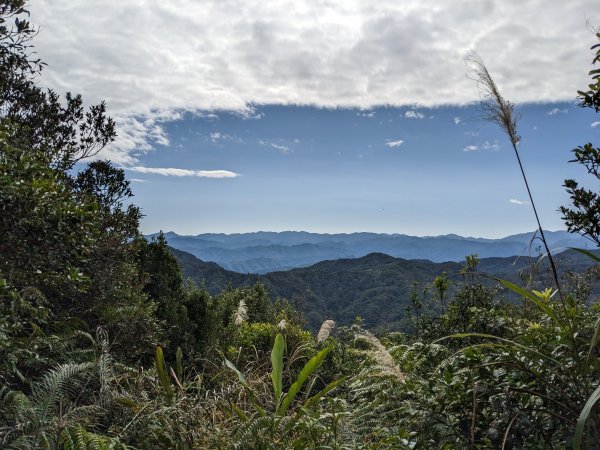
pixel 312 365
pixel 277 367
pixel 583 417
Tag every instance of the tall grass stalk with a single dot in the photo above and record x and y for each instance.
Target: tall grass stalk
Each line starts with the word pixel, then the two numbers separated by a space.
pixel 500 111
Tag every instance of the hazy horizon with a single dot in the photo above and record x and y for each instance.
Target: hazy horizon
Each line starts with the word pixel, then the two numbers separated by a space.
pixel 351 232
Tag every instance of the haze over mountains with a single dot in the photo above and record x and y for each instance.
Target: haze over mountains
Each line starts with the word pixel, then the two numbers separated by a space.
pixel 263 252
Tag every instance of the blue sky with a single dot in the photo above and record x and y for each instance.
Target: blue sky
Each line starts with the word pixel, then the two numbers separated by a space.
pixel 417 171
pixel 246 115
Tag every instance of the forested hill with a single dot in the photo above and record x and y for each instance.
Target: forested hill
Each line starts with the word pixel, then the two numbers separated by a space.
pixel 264 252
pixel 376 287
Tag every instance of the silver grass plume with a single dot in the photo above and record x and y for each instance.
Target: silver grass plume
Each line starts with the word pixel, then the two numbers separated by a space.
pixel 386 362
pixel 242 313
pixel 500 111
pixel 325 330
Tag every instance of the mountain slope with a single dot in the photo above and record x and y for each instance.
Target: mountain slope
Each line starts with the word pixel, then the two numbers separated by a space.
pixel 377 286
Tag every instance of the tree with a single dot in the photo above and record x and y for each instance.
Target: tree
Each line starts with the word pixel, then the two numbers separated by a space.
pixel 163 284
pixel 65 233
pixel 441 283
pixel 415 309
pixel 584 215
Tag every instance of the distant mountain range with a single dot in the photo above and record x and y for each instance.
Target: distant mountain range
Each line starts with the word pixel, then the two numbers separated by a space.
pixel 264 252
pixel 376 286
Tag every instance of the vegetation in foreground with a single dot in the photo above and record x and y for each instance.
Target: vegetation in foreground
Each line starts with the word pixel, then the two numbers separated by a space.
pixel 103 345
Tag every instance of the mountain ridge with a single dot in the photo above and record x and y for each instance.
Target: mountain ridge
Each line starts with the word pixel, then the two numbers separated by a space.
pixel 376 286
pixel 263 252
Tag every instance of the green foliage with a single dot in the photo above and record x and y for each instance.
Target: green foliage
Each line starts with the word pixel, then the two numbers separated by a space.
pixel 591 97
pixel 583 417
pixel 66 235
pixel 78 438
pixel 584 216
pixel 277 366
pixel 270 425
pixel 471 372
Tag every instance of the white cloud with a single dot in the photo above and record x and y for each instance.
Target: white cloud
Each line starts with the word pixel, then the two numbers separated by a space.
pixel 145 57
pixel 594 124
pixel 494 146
pixel 215 136
pixel 206 115
pixel 414 115
pixel 366 114
pixel 555 111
pixel 457 120
pixel 514 201
pixel 470 148
pixel 279 147
pixel 392 144
pixel 172 172
pixel 137 135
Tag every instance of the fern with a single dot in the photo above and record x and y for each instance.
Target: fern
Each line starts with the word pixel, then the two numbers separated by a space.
pixel 78 438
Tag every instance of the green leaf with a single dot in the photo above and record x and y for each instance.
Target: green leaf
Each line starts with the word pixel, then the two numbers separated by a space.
pixel 532 297
pixel 129 403
pixel 315 398
pixel 583 417
pixel 179 364
pixel 247 388
pixel 241 414
pixel 587 253
pixel 240 375
pixel 595 339
pixel 507 342
pixel 163 374
pixel 312 365
pixel 277 367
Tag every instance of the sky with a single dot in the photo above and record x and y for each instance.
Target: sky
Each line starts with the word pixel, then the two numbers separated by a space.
pixel 330 116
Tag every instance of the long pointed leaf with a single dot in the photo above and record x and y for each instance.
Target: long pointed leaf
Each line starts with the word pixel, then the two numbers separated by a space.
pixel 247 388
pixel 277 367
pixel 587 253
pixel 594 340
pixel 312 365
pixel 163 375
pixel 240 375
pixel 506 341
pixel 583 417
pixel 179 363
pixel 315 398
pixel 241 414
pixel 528 295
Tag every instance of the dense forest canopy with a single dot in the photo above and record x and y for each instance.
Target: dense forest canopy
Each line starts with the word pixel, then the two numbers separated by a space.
pixel 103 344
